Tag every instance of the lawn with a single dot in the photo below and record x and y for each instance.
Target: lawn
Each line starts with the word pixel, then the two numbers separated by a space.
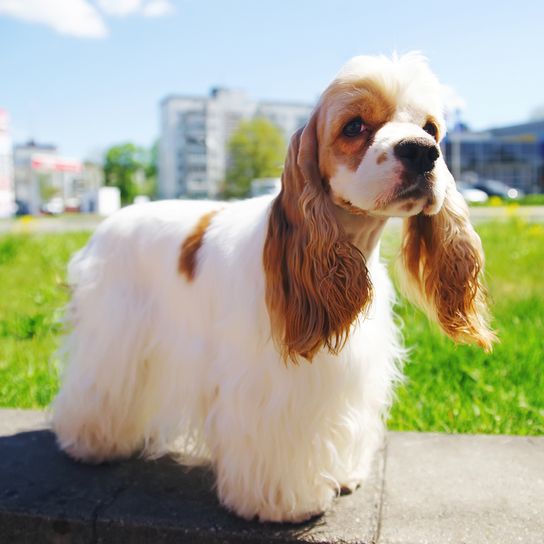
pixel 462 389
pixel 448 388
pixel 33 292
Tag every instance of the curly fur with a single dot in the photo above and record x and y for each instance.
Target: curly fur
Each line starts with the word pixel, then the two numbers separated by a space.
pixel 183 314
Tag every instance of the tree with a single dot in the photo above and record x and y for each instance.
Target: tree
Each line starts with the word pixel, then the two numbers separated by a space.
pixel 256 150
pixel 132 169
pixel 151 170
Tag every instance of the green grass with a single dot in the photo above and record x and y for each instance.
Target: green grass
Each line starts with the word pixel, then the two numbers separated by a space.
pixel 536 199
pixel 33 293
pixel 449 388
pixel 462 389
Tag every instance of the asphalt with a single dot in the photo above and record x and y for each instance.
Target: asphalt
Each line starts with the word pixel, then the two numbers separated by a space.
pixel 424 488
pixel 87 222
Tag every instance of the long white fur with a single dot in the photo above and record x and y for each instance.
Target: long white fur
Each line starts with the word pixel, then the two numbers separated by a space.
pixel 153 357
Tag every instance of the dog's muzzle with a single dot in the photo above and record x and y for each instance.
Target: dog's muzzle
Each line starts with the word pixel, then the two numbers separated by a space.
pixel 417 155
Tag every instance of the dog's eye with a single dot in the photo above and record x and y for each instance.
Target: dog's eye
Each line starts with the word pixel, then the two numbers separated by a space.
pixel 353 128
pixel 431 129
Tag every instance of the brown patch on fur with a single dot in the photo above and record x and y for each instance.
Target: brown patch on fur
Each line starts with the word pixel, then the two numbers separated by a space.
pixel 343 102
pixel 348 206
pixel 349 152
pixel 444 259
pixel 189 249
pixel 431 120
pixel 317 282
pixel 408 206
pixel 382 157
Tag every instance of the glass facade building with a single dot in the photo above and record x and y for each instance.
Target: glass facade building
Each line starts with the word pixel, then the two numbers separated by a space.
pixel 513 155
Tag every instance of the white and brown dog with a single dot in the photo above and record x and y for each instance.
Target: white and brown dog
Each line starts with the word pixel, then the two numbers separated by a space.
pixel 261 331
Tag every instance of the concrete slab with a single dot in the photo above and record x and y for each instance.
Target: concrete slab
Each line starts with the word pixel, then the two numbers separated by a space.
pixel 463 489
pixel 438 489
pixel 46 497
pixel 14 421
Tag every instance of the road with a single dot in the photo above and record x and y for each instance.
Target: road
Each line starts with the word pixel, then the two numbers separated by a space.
pixel 82 222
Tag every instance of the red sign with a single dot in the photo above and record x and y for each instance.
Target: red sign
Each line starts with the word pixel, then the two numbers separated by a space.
pixel 53 163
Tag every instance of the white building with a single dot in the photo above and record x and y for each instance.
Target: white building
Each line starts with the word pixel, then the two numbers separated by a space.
pixel 195 132
pixel 7 195
pixel 42 177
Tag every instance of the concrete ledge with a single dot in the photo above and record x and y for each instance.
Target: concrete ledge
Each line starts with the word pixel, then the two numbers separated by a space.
pixel 463 489
pixel 46 497
pixel 435 489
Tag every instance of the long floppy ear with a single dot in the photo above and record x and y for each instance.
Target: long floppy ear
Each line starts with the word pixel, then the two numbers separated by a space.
pixel 442 264
pixel 317 282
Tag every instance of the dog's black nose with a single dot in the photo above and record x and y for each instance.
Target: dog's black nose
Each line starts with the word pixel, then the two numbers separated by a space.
pixel 417 155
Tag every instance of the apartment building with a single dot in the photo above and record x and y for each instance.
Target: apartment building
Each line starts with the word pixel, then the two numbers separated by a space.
pixel 195 131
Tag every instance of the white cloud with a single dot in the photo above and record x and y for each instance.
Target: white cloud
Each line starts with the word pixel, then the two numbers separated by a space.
pixel 149 8
pixel 120 8
pixel 79 17
pixel 73 17
pixel 157 8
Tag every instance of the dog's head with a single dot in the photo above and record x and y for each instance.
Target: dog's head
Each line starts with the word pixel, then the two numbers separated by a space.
pixel 378 125
pixel 370 149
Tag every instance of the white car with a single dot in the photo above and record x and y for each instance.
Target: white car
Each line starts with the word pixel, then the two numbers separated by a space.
pixel 471 194
pixel 55 206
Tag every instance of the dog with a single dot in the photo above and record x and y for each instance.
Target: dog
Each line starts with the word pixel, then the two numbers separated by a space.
pixel 259 335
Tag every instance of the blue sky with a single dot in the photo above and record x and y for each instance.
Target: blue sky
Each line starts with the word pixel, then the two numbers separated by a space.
pixel 85 74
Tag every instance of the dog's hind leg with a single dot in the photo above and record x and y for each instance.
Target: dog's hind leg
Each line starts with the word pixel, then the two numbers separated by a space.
pixel 103 407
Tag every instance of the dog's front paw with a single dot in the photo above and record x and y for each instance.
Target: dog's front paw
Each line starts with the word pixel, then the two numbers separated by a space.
pixel 283 507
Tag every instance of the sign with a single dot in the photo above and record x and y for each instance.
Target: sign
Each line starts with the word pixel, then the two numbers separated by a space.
pixel 54 163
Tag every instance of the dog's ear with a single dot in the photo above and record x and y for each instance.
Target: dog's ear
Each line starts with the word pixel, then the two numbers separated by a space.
pixel 441 270
pixel 316 280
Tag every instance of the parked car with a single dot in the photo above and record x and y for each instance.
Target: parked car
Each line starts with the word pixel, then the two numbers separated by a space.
pixel 55 206
pixel 470 193
pixel 497 188
pixel 72 205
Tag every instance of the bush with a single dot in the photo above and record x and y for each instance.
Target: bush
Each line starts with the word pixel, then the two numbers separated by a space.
pixel 536 199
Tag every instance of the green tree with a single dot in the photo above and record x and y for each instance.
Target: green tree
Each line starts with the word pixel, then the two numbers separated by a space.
pixel 151 170
pixel 256 150
pixel 131 168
